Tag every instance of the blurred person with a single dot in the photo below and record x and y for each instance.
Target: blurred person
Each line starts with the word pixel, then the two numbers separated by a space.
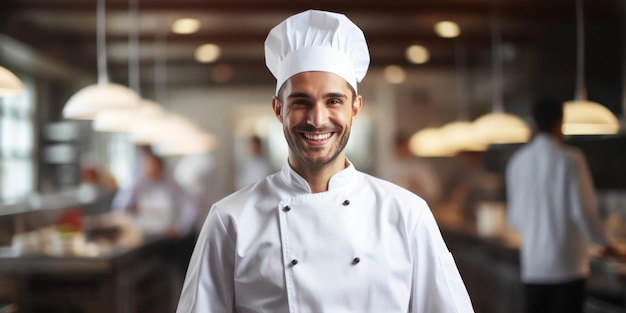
pixel 158 204
pixel 320 236
pixel 255 167
pixel 551 203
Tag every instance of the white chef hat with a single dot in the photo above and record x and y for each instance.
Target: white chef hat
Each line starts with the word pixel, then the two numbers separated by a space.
pixel 317 41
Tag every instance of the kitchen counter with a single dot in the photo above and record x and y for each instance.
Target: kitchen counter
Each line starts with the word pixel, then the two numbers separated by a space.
pixel 122 280
pixel 490 268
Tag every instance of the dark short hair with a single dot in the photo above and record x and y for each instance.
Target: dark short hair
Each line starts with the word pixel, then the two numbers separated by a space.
pixel 547 112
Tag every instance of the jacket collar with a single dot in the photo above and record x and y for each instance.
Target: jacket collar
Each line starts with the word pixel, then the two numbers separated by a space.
pixel 338 180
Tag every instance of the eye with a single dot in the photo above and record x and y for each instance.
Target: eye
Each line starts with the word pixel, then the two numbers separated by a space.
pixel 334 102
pixel 300 102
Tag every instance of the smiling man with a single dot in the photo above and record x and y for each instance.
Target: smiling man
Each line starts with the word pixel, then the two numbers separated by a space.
pixel 320 236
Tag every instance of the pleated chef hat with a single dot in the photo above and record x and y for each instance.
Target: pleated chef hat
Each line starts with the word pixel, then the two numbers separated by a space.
pixel 317 41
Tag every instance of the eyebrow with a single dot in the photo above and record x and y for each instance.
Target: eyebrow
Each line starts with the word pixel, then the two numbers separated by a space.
pixel 307 96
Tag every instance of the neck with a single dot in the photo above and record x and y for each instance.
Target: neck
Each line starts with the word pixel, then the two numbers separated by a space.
pixel 318 177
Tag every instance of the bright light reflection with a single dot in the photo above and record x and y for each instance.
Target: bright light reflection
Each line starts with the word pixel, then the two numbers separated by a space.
pixel 417 54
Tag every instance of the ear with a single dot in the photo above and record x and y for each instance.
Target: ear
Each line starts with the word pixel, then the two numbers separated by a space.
pixel 356 105
pixel 277 107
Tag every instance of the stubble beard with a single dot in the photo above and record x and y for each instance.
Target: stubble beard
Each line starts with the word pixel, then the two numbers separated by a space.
pixel 317 164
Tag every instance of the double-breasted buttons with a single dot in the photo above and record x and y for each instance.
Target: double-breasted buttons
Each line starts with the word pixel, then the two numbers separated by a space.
pixel 286 208
pixel 294 262
pixel 356 261
pixel 346 202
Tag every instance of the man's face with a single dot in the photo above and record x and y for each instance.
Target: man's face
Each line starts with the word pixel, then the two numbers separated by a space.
pixel 316 110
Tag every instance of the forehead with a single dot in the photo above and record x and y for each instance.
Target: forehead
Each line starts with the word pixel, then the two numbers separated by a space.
pixel 316 83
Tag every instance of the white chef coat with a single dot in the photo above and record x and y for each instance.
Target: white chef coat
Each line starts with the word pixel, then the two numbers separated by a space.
pixel 158 205
pixel 551 203
pixel 365 245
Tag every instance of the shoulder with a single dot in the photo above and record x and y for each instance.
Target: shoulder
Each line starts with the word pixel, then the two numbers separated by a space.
pixel 256 195
pixel 391 195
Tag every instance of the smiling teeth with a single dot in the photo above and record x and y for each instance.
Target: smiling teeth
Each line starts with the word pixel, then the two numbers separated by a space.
pixel 317 137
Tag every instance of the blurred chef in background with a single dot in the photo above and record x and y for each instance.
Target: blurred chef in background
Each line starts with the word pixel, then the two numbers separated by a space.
pixel 551 202
pixel 256 166
pixel 158 204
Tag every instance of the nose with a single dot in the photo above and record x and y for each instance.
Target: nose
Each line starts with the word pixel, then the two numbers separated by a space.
pixel 317 115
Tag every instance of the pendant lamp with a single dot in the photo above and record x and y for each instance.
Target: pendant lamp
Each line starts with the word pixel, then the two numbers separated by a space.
pixel 122 120
pixel 581 116
pixel 429 142
pixel 188 143
pixel 91 100
pixel 10 85
pixel 499 127
pixel 460 135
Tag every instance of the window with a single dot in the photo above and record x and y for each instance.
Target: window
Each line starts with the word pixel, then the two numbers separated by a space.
pixel 17 169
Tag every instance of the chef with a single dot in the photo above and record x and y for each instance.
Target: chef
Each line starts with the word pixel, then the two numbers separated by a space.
pixel 320 236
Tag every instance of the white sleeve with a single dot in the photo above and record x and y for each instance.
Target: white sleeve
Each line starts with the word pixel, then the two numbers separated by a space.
pixel 437 284
pixel 209 282
pixel 581 197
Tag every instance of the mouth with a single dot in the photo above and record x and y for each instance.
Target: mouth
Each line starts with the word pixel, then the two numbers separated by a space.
pixel 317 138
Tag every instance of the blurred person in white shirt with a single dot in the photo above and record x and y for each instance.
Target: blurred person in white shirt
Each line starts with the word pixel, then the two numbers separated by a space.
pixel 551 202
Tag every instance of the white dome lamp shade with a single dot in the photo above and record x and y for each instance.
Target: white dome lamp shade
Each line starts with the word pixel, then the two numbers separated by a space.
pixel 501 128
pixel 169 126
pixel 584 117
pixel 462 136
pixel 91 100
pixel 124 120
pixel 191 142
pixel 10 85
pixel 429 142
pixel 581 116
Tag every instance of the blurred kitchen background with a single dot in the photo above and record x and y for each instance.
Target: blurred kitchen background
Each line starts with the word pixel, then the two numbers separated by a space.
pixel 192 72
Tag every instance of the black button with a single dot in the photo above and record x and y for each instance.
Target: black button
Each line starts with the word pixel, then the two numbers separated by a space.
pixel 356 261
pixel 294 262
pixel 347 202
pixel 287 208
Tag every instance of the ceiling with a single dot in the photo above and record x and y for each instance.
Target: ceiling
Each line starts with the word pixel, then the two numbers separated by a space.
pixel 66 30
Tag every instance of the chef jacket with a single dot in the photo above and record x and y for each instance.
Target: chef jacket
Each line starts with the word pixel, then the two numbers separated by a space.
pixel 365 245
pixel 158 205
pixel 551 203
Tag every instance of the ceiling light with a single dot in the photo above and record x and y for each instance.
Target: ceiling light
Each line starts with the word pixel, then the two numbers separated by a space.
pixel 447 29
pixel 88 102
pixel 124 120
pixel 207 53
pixel 10 85
pixel 417 54
pixel 186 26
pixel 462 136
pixel 583 117
pixel 163 128
pixel 93 99
pixel 394 74
pixel 192 142
pixel 429 142
pixel 501 128
pixel 498 127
